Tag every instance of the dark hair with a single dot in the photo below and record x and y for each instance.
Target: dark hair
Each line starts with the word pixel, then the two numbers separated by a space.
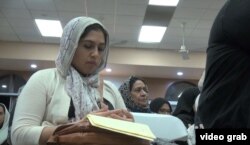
pixel 157 103
pixel 3 108
pixel 96 27
pixel 132 80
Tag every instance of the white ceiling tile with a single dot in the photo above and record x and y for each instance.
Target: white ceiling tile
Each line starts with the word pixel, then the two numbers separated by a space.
pixel 201 33
pixel 16 4
pixel 16 13
pixel 132 2
pixel 101 6
pixel 128 29
pixel 136 10
pixel 204 24
pixel 1 14
pixel 189 13
pixel 106 19
pixel 6 30
pixel 44 15
pixel 67 16
pixel 129 20
pixel 3 22
pixel 29 23
pixel 177 22
pixel 209 15
pixel 44 5
pixel 177 32
pixel 70 5
pixel 218 4
pixel 195 3
pixel 26 31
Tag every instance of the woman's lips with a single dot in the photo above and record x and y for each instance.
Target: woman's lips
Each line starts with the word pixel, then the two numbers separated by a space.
pixel 91 62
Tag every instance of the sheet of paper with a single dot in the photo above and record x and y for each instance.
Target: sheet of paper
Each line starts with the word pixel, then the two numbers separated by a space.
pixel 166 127
pixel 125 127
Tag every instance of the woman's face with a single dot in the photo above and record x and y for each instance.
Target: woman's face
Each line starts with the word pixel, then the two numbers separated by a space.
pixel 89 52
pixel 139 94
pixel 165 109
pixel 1 115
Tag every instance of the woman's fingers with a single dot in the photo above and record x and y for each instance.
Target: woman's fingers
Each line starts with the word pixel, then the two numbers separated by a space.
pixel 118 114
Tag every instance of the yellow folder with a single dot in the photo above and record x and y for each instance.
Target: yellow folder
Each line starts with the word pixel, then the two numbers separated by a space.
pixel 125 127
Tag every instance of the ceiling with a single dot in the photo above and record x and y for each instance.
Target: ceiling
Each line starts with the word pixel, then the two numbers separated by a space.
pixel 123 19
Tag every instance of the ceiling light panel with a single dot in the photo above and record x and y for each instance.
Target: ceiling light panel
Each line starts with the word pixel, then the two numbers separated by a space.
pixel 49 28
pixel 173 3
pixel 151 34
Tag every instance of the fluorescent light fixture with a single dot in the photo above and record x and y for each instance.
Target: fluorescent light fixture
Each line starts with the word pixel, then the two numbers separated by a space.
pixel 33 66
pixel 4 86
pixel 151 34
pixel 108 70
pixel 170 3
pixel 49 28
pixel 179 73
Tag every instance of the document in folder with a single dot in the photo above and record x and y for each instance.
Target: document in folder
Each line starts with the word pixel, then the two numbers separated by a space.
pixel 125 127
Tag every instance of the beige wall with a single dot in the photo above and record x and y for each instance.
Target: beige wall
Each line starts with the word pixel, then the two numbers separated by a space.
pixel 158 86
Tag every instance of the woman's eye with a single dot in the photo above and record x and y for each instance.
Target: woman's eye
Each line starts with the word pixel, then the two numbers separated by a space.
pixel 89 46
pixel 101 49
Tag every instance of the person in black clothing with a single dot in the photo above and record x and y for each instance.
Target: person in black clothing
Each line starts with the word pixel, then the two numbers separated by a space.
pixel 160 106
pixel 225 97
pixel 185 106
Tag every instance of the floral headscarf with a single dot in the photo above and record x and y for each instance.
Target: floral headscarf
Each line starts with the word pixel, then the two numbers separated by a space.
pixel 82 90
pixel 5 127
pixel 127 97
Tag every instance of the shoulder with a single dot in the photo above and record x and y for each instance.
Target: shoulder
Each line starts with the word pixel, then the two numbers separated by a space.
pixel 46 74
pixel 109 84
pixel 45 77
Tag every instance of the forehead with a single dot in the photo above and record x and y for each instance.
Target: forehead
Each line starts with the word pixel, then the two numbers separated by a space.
pixel 94 35
pixel 165 106
pixel 138 83
pixel 1 109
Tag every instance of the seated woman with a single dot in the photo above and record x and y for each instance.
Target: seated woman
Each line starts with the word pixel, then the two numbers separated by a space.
pixel 160 106
pixel 68 92
pixel 134 92
pixel 4 124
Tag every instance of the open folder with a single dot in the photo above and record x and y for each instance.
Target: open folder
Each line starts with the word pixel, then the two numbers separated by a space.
pixel 125 127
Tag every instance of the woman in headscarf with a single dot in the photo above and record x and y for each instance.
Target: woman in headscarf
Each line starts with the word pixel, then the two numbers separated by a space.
pixel 68 92
pixel 160 106
pixel 4 124
pixel 185 106
pixel 134 92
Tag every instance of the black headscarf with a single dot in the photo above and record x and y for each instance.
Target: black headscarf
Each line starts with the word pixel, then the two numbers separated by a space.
pixel 157 103
pixel 184 109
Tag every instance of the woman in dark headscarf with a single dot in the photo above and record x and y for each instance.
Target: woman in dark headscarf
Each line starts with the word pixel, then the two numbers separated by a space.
pixel 161 106
pixel 134 92
pixel 184 109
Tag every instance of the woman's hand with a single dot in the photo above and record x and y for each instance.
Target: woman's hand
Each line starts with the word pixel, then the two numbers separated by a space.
pixel 121 114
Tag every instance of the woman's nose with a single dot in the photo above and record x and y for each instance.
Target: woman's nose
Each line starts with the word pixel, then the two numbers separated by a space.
pixel 95 52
